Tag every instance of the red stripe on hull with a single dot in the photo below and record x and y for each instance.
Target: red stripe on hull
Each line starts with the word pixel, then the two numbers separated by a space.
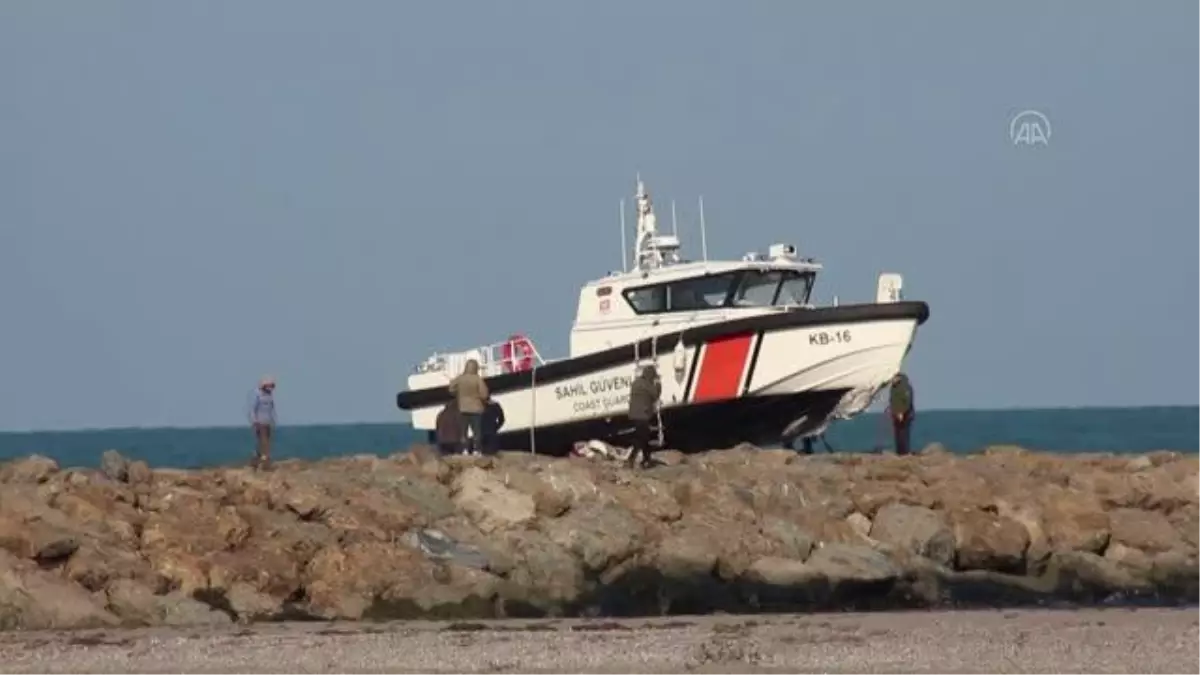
pixel 722 368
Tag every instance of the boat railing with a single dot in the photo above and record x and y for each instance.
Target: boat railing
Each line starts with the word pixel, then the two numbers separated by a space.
pixel 515 354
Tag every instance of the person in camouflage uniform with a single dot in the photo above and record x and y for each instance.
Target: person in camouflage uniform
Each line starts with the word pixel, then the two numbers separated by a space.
pixel 901 410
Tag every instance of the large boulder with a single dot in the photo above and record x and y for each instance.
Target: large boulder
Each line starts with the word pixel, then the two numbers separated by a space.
pixel 32 469
pixel 917 530
pixel 599 535
pixel 987 541
pixel 1148 531
pixel 345 583
pixel 137 605
pixel 492 505
pixel 849 562
pixel 114 465
pixel 794 542
pixel 32 599
pixel 546 579
pixel 686 553
pixel 1074 521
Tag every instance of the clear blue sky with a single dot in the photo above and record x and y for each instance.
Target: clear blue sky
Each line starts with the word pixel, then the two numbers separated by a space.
pixel 193 194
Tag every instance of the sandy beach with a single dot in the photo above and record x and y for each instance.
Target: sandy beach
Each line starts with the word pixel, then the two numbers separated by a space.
pixel 1092 640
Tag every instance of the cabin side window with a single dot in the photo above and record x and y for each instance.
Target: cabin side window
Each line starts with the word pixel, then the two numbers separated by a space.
pixel 647 300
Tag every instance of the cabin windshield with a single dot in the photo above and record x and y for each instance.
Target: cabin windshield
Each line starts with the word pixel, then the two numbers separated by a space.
pixel 771 288
pixel 796 289
pixel 743 288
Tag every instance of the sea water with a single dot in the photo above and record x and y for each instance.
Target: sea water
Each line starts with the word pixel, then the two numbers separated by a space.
pixel 1116 430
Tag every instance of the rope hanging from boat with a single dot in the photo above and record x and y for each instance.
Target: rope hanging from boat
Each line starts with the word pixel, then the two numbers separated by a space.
pixel 533 409
pixel 658 403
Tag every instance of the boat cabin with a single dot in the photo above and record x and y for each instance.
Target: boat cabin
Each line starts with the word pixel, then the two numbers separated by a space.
pixel 664 293
pixel 631 306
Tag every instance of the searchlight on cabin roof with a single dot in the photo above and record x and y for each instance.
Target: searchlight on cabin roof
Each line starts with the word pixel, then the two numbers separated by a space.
pixel 775 253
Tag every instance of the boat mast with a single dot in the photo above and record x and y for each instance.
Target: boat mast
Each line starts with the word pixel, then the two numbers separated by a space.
pixel 647 223
pixel 651 250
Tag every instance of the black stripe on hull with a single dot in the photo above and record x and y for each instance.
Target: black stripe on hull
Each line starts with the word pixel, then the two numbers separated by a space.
pixel 692 368
pixel 566 369
pixel 758 340
pixel 692 428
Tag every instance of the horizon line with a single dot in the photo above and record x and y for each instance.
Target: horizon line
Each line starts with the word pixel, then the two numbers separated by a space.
pixel 1015 409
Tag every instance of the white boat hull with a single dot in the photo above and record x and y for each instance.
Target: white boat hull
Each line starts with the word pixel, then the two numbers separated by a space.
pixel 745 380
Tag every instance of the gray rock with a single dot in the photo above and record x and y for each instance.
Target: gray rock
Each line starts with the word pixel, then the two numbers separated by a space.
pixel 249 604
pixel 779 571
pixel 685 554
pixel 32 469
pixel 180 610
pixel 600 535
pixel 436 545
pixel 1140 463
pixel 934 449
pixel 139 473
pixel 795 543
pixel 489 503
pixel 1082 571
pixel 463 593
pixel 114 465
pixel 852 562
pixel 860 523
pixel 134 603
pixel 917 530
pixel 545 575
pixel 56 548
pixel 430 498
pixel 31 599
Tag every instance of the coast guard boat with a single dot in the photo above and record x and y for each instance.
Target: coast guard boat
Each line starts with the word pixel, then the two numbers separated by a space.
pixel 742 353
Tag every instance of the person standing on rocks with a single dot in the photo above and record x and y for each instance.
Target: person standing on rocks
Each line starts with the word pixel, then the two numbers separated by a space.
pixel 901 409
pixel 493 421
pixel 471 392
pixel 448 429
pixel 262 420
pixel 644 394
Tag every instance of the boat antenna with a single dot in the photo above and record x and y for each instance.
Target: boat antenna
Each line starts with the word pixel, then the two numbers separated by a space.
pixel 674 223
pixel 646 252
pixel 624 253
pixel 703 234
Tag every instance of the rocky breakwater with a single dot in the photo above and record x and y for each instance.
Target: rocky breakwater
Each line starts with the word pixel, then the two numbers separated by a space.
pixel 741 530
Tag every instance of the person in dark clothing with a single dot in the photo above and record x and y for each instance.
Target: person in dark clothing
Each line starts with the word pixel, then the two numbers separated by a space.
pixel 902 410
pixel 448 429
pixel 493 420
pixel 644 394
